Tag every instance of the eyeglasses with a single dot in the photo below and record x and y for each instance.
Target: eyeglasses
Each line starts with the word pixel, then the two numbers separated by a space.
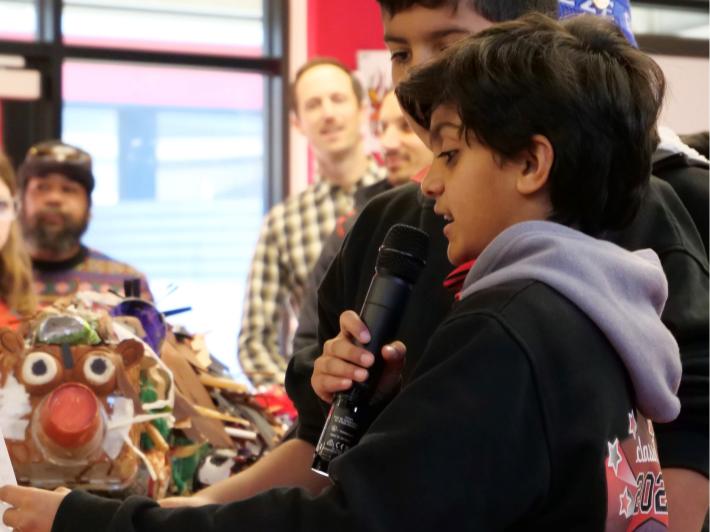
pixel 8 209
pixel 60 153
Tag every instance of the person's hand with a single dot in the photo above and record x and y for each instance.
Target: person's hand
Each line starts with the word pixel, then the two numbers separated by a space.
pixel 31 509
pixel 178 502
pixel 343 361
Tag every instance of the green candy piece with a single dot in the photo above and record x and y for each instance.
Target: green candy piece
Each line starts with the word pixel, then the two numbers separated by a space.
pixel 184 469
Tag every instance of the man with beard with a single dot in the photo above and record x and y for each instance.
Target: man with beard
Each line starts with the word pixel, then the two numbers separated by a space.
pixel 56 182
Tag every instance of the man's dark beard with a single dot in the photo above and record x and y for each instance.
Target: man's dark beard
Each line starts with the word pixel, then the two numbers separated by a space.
pixel 41 237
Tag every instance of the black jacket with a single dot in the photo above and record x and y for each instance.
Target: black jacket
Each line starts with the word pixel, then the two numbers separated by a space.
pixel 504 424
pixel 689 179
pixel 663 224
pixel 307 330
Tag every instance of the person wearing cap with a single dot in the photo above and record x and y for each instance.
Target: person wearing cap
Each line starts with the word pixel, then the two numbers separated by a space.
pixel 56 182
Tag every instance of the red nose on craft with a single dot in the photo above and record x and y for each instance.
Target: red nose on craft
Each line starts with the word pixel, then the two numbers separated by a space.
pixel 70 415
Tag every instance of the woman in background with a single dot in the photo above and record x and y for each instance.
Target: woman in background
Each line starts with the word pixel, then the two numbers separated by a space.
pixel 17 296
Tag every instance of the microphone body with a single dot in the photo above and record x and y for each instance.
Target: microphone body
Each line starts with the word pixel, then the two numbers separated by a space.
pixel 398 266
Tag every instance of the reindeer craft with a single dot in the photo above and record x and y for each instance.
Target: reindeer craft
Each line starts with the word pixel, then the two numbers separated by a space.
pixel 66 405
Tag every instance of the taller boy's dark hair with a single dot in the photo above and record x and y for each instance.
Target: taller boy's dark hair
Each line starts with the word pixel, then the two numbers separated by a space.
pixel 493 10
pixel 320 61
pixel 577 82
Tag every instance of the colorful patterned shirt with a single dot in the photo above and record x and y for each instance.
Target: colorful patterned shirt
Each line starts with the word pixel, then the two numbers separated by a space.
pixel 290 242
pixel 87 270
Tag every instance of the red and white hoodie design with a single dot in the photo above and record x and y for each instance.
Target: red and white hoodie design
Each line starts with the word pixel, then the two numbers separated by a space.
pixel 636 494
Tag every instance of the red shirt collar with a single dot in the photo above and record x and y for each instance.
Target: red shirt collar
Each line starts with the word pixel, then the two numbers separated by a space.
pixel 454 281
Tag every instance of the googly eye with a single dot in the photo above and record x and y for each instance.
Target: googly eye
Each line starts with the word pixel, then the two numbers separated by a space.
pixel 39 368
pixel 98 369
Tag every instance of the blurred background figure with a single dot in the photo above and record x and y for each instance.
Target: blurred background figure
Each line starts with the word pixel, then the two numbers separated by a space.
pixel 405 156
pixel 56 182
pixel 404 153
pixel 16 291
pixel 700 142
pixel 328 109
pixel 682 161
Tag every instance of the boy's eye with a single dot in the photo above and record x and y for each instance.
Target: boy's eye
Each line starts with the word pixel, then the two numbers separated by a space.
pixel 401 56
pixel 448 156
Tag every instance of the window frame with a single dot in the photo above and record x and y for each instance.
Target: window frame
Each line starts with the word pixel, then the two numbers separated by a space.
pixel 48 53
pixel 669 44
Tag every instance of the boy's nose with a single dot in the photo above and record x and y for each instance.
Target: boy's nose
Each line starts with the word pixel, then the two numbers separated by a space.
pixel 432 185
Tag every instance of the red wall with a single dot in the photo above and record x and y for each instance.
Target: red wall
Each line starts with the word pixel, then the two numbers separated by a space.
pixel 338 29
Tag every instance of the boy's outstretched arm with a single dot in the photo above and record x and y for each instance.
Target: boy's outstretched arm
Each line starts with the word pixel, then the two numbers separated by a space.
pixel 289 465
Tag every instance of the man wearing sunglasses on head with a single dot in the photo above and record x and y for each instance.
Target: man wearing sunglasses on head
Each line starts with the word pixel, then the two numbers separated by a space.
pixel 55 183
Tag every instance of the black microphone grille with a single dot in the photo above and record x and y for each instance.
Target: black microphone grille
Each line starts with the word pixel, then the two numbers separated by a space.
pixel 403 252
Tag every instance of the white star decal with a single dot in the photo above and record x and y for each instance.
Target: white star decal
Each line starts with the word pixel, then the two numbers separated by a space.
pixel 626 504
pixel 614 456
pixel 633 426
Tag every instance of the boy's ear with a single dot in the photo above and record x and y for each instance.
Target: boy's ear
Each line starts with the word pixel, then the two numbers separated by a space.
pixel 536 164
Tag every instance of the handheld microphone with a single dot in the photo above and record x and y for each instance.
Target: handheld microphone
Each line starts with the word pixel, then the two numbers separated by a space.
pixel 400 259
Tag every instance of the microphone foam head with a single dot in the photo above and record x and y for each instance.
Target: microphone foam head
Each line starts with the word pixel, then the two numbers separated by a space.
pixel 403 252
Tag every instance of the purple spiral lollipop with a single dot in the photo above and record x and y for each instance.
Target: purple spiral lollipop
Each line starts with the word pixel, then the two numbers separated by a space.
pixel 151 319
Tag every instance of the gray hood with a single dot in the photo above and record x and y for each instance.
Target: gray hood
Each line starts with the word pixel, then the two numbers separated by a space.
pixel 610 285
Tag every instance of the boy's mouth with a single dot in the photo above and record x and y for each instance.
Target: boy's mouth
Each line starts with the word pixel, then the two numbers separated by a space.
pixel 443 213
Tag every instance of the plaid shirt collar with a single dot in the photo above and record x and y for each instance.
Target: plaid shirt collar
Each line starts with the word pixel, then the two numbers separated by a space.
pixel 373 174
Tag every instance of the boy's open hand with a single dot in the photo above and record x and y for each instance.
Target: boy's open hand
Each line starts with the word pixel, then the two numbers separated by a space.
pixel 343 361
